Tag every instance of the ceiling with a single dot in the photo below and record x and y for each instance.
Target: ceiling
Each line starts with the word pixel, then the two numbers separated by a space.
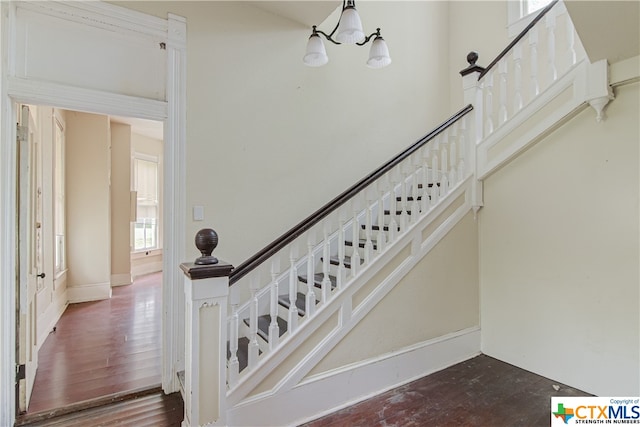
pixel 149 128
pixel 608 29
pixel 308 13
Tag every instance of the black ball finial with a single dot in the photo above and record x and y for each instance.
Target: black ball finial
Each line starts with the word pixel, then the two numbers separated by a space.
pixel 206 242
pixel 472 57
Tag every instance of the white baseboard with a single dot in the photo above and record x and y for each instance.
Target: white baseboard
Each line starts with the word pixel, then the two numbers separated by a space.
pixel 49 319
pixel 330 391
pixel 121 279
pixel 90 292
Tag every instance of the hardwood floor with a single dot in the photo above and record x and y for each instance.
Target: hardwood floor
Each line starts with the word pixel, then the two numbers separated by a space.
pixel 102 347
pixel 153 410
pixel 479 392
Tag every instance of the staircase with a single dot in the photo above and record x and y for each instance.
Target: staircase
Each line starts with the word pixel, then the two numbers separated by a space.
pixel 294 301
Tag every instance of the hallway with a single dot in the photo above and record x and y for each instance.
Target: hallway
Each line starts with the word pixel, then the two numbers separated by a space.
pixel 103 347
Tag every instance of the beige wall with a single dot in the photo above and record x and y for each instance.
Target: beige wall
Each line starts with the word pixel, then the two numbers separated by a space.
pixel 269 140
pixel 479 26
pixel 120 203
pixel 559 254
pixel 88 209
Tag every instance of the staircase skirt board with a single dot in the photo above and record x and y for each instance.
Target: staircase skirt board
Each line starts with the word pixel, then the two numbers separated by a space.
pixel 330 391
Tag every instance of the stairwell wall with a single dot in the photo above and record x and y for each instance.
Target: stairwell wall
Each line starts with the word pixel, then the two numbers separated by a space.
pixel 559 251
pixel 269 140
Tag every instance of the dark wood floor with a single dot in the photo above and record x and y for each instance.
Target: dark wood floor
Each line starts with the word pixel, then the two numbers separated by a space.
pixel 478 392
pixel 103 347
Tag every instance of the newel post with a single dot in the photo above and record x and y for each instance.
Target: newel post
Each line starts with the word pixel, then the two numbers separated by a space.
pixel 472 88
pixel 206 287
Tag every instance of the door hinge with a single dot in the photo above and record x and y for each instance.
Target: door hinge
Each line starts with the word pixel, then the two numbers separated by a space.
pixel 21 372
pixel 22 132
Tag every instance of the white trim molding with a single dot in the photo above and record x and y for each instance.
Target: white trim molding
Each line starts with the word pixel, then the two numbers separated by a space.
pixel 328 392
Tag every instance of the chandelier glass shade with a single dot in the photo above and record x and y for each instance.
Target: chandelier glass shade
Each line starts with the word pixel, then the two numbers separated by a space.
pixel 348 30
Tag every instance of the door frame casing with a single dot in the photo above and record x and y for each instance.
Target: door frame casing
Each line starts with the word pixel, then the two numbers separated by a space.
pixel 171 111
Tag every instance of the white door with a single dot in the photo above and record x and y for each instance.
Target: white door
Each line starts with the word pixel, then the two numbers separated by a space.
pixel 31 250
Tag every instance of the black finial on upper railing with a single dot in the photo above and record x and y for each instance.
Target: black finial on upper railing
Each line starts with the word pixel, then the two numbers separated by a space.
pixel 472 57
pixel 206 242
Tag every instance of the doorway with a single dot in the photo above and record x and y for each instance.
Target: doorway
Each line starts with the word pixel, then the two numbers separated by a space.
pixel 146 46
pixel 91 251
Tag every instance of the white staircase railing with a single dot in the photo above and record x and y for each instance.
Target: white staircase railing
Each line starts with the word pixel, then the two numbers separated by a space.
pixel 303 275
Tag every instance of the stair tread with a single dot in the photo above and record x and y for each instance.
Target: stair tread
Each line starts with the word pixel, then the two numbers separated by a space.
pixel 361 243
pixel 346 261
pixel 283 300
pixel 317 279
pixel 263 325
pixel 377 227
pixel 409 198
pixel 398 212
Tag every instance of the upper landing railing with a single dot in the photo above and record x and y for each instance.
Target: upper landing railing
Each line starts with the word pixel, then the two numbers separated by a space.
pixel 536 58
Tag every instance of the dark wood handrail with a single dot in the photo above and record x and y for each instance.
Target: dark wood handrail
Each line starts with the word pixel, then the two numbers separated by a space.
pixel 327 209
pixel 518 37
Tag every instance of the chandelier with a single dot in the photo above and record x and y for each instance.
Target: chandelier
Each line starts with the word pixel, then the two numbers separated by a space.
pixel 349 31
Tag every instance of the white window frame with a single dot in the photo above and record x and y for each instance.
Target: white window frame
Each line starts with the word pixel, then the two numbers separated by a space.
pixel 158 228
pixel 517 17
pixel 59 198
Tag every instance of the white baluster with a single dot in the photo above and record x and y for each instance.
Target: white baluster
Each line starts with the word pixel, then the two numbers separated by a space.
pixel 326 261
pixel 254 285
pixel 404 213
pixel 502 111
pixel 234 325
pixel 341 277
pixel 488 99
pixel 415 192
pixel 444 161
pixel 426 178
pixel 292 320
pixel 355 240
pixel 551 44
pixel 274 329
pixel 368 245
pixel 393 225
pixel 435 196
pixel 571 41
pixel 382 238
pixel 310 303
pixel 533 57
pixel 444 185
pixel 517 77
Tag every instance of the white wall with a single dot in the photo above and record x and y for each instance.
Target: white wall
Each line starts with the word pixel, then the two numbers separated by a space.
pixel 269 140
pixel 559 254
pixel 88 206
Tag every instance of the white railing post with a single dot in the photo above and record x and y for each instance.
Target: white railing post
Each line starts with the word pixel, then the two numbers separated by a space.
pixel 474 125
pixel 206 297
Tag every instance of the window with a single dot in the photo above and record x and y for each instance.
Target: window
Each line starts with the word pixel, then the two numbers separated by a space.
pixel 521 12
pixel 145 234
pixel 59 224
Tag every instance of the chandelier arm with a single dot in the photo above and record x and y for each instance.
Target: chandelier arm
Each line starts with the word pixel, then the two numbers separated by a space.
pixel 369 37
pixel 326 36
pixel 344 5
